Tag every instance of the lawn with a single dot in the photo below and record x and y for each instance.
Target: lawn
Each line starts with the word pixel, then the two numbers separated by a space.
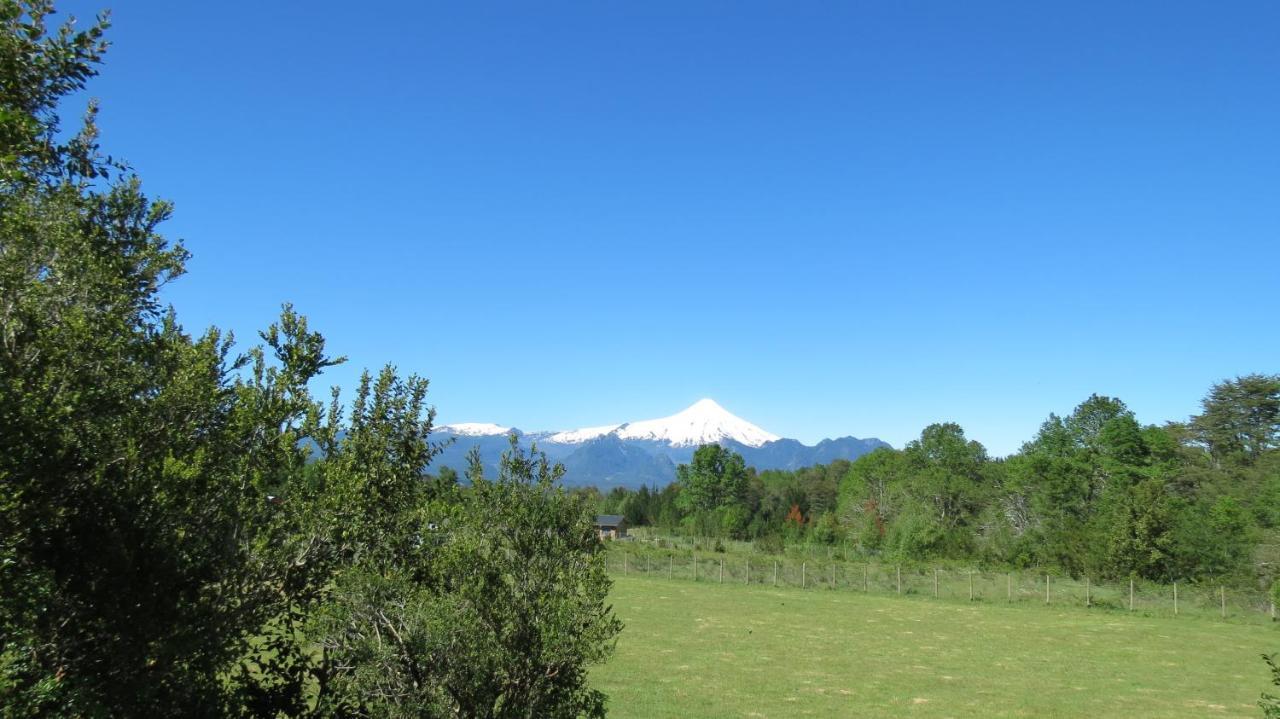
pixel 728 650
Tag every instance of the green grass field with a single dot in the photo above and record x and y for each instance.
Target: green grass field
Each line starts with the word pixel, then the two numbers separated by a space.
pixel 728 650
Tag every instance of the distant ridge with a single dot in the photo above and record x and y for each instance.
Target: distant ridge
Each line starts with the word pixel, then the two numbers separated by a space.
pixel 646 452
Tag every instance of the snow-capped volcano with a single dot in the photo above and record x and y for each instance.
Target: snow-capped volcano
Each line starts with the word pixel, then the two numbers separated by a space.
pixel 704 422
pixel 646 452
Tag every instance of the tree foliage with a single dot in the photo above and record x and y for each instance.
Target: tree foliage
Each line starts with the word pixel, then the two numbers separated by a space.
pixel 490 602
pixel 1241 418
pixel 716 477
pixel 1094 492
pixel 187 531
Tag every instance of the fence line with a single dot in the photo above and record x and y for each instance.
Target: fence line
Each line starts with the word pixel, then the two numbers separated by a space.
pixel 974 585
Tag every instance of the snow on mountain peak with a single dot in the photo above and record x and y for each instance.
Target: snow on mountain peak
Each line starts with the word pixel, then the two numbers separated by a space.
pixel 703 422
pixel 582 435
pixel 474 429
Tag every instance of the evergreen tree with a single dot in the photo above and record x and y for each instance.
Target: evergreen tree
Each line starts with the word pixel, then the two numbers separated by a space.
pixel 1241 418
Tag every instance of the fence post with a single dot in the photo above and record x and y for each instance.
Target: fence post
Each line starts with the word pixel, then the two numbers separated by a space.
pixel 1222 595
pixel 747 580
pixel 671 567
pixel 646 565
pixel 866 577
pixel 1046 589
pixel 833 575
pixel 1088 601
pixel 775 572
pixel 899 579
pixel 1008 586
pixel 1175 599
pixel 935 582
pixel 971 585
pixel 1131 593
pixel 695 567
pixel 804 566
pixel 722 570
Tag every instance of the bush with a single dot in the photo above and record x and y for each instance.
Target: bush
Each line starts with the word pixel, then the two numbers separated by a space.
pixel 769 544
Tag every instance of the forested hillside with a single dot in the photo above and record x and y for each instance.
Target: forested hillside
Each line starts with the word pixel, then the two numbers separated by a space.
pixel 1093 492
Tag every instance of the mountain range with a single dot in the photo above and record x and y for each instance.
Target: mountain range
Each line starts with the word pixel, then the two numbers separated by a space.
pixel 645 452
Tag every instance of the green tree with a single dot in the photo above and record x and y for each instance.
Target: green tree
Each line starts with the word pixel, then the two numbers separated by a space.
pixel 869 496
pixel 182 528
pixel 1241 418
pixel 127 573
pixel 492 606
pixel 716 477
pixel 943 492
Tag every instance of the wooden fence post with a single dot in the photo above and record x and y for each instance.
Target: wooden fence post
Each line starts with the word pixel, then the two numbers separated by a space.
pixel 935 582
pixel 1131 593
pixel 833 575
pixel 695 567
pixel 1008 586
pixel 1175 599
pixel 1088 600
pixel 804 566
pixel 1046 589
pixel 1222 595
pixel 775 572
pixel 899 579
pixel 971 585
pixel 722 570
pixel 646 565
pixel 866 577
pixel 671 567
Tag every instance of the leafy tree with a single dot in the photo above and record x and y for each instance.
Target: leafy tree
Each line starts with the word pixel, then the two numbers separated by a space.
pixel 126 572
pixel 496 612
pixel 1139 530
pixel 1241 418
pixel 943 492
pixel 716 477
pixel 869 496
pixel 188 532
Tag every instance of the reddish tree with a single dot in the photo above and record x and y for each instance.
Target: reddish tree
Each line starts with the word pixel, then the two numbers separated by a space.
pixel 873 508
pixel 794 516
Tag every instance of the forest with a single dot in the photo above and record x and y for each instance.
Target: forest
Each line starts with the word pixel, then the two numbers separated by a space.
pixel 1092 493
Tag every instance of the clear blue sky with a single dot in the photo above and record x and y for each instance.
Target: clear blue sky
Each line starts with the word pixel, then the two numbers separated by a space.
pixel 833 218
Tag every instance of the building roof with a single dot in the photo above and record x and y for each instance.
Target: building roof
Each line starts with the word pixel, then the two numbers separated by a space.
pixel 610 520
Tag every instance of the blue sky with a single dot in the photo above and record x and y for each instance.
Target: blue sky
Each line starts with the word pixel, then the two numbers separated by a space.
pixel 833 218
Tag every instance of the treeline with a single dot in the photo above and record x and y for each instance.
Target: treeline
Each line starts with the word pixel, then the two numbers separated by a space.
pixel 1092 493
pixel 171 545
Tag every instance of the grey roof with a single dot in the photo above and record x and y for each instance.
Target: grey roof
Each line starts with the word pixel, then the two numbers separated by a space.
pixel 610 520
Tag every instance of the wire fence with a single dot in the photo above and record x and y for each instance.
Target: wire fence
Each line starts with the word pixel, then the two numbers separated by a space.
pixel 976 585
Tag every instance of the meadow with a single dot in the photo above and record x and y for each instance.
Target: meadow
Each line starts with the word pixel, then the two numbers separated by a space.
pixel 737 650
